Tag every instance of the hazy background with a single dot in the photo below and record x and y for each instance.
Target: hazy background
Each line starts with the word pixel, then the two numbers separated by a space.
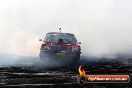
pixel 103 26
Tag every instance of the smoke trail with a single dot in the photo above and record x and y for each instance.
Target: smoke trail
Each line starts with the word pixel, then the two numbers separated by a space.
pixel 103 26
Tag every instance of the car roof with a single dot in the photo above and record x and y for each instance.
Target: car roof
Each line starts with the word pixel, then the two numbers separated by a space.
pixel 59 33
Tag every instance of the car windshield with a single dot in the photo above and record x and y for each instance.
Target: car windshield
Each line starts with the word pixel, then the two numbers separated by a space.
pixel 65 37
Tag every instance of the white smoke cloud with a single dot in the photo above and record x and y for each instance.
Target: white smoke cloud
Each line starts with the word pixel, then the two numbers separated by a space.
pixel 103 26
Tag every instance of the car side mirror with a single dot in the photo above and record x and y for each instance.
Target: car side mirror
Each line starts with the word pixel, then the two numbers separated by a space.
pixel 79 43
pixel 40 39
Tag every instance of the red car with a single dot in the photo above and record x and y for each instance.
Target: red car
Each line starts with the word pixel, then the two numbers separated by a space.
pixel 60 48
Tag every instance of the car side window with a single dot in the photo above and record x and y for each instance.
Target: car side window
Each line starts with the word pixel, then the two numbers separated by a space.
pixel 47 37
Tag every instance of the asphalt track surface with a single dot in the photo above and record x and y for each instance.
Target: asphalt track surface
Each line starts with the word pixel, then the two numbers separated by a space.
pixel 65 76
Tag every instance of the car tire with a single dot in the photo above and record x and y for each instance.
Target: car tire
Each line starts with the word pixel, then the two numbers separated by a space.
pixel 42 57
pixel 76 59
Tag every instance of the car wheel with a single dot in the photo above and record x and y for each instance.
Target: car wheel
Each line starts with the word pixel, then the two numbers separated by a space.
pixel 76 59
pixel 43 58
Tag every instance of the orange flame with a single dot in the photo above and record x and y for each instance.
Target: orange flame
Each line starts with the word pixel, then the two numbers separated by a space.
pixel 81 71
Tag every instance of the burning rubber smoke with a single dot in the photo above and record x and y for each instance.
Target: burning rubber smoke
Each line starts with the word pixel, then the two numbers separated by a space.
pixel 103 26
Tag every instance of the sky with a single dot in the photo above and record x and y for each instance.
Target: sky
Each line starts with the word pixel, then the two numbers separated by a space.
pixel 102 26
